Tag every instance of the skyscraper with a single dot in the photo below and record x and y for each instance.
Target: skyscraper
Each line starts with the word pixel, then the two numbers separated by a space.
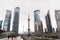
pixel 37 16
pixel 37 21
pixel 16 20
pixel 48 22
pixel 6 26
pixel 57 15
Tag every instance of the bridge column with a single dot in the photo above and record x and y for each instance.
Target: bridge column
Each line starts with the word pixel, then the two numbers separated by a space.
pixel 5 38
pixel 14 38
pixel 17 38
pixel 21 38
pixel 10 38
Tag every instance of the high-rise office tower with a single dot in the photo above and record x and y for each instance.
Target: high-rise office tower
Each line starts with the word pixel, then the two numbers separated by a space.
pixel 57 15
pixel 48 22
pixel 16 20
pixel 1 24
pixel 37 21
pixel 6 26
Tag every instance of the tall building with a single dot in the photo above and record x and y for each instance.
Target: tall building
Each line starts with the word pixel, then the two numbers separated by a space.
pixel 37 22
pixel 16 20
pixel 48 22
pixel 1 24
pixel 6 25
pixel 57 16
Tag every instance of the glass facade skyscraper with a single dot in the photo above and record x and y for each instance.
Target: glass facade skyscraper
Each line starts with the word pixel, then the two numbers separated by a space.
pixel 57 16
pixel 6 25
pixel 37 16
pixel 48 22
pixel 16 19
pixel 37 22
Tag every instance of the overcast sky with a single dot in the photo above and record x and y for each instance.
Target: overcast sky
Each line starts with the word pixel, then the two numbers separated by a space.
pixel 27 7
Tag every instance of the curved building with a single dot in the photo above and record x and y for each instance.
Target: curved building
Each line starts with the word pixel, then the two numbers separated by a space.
pixel 37 16
pixel 37 22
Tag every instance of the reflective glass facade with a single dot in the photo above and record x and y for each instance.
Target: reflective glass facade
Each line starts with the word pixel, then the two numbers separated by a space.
pixel 48 22
pixel 37 15
pixel 16 20
pixel 6 26
pixel 37 22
